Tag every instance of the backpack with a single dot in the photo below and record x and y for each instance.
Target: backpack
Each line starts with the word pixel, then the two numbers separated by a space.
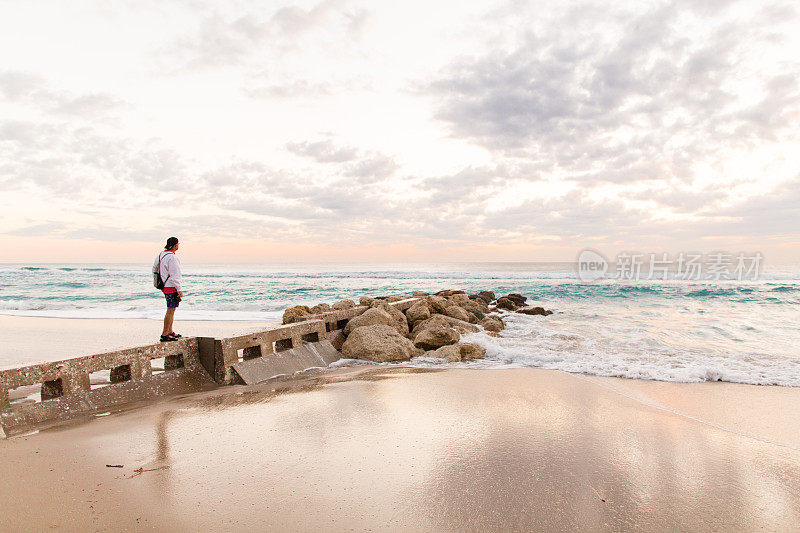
pixel 158 283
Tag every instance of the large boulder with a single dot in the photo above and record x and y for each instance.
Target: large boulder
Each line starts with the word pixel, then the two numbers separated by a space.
pixel 320 308
pixel 396 298
pixel 419 294
pixel 436 336
pixel 535 311
pixel 456 352
pixel 505 303
pixel 379 343
pixel 457 312
pixel 437 304
pixel 371 317
pixel 517 298
pixel 492 323
pixel 475 308
pixel 472 351
pixel 486 296
pixel 293 313
pixel 444 321
pixel 418 312
pixel 366 300
pixel 344 304
pixel 450 353
pixel 459 298
pixel 400 322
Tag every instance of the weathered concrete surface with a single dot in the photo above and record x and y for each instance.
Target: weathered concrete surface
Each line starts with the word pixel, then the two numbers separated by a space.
pixel 309 355
pixel 189 364
pixel 24 417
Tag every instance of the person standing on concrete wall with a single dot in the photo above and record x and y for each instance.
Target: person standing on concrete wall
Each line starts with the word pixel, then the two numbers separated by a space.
pixel 167 277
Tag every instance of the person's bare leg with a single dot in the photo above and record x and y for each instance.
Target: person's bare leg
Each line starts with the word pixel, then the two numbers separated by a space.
pixel 168 318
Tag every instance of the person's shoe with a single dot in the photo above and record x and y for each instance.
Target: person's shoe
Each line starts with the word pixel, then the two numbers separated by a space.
pixel 167 338
pixel 175 335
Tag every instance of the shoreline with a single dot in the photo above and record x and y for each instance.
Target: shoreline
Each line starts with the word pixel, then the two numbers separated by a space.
pixel 408 448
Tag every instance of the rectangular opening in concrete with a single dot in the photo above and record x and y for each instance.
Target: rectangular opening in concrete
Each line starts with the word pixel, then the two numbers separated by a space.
pixel 157 365
pixel 251 352
pixel 311 337
pixel 25 394
pixel 99 379
pixel 52 389
pixel 328 326
pixel 120 373
pixel 283 345
pixel 173 362
pixel 341 323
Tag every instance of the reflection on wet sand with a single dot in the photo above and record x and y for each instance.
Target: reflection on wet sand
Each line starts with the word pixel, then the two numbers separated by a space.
pixel 452 450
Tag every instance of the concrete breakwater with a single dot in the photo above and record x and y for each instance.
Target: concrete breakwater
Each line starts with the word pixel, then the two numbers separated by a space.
pixel 66 389
pixel 394 328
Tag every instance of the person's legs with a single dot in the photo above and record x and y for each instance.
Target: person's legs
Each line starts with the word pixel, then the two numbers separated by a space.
pixel 168 319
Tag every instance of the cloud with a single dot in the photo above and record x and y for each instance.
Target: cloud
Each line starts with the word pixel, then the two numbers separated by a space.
pixel 224 41
pixel 619 97
pixel 323 151
pixel 33 90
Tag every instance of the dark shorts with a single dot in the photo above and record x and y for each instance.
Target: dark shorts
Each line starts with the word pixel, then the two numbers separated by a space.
pixel 173 300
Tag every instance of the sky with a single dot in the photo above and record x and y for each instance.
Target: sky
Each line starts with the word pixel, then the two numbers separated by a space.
pixel 397 131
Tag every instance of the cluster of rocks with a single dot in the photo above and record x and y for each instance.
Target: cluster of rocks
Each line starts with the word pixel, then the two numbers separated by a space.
pixel 432 326
pixel 516 302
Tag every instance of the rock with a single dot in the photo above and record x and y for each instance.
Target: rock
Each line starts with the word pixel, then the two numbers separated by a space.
pixel 450 353
pixel 459 298
pixel 371 317
pixel 293 313
pixel 492 323
pixel 535 311
pixel 433 321
pixel 379 343
pixel 446 321
pixel 320 308
pixel 486 296
pixel 396 298
pixel 472 351
pixel 505 303
pixel 477 309
pixel 401 324
pixel 444 293
pixel 517 298
pixel 456 352
pixel 457 312
pixel 417 313
pixel 418 294
pixel 436 336
pixel 366 300
pixel 437 304
pixel 344 304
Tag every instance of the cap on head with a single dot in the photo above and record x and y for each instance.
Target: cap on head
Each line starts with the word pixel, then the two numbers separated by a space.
pixel 171 242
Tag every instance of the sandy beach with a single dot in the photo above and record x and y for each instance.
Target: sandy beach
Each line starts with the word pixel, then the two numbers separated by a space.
pixel 393 448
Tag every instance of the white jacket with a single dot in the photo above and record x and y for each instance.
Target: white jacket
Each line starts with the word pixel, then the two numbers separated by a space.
pixel 170 269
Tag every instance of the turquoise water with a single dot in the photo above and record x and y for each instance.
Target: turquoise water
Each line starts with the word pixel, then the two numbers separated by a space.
pixel 745 331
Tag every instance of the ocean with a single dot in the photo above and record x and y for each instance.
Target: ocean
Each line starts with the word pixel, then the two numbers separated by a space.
pixel 670 330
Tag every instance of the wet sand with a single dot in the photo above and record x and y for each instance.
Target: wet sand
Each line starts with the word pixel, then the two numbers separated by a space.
pixel 405 449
